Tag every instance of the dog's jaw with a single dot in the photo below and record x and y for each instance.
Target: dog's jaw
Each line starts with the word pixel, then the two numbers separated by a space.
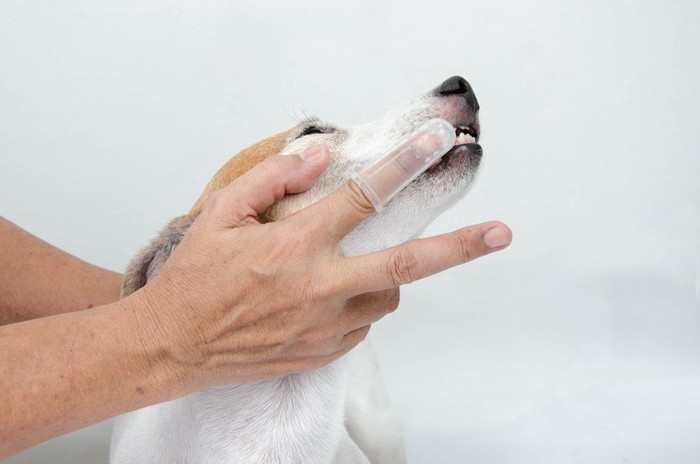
pixel 414 208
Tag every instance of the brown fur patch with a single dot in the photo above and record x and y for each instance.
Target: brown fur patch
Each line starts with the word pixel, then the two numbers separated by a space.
pixel 149 261
pixel 239 165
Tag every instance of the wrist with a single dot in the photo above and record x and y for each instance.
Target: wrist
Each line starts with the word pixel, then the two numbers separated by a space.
pixel 155 350
pixel 81 368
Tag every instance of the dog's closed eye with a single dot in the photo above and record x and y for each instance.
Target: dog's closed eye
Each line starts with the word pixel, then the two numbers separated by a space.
pixel 312 130
pixel 313 126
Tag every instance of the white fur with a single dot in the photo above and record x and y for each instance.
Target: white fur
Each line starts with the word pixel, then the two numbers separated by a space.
pixel 336 414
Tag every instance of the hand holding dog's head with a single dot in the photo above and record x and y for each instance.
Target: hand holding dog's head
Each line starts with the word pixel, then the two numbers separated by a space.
pixel 239 300
pixel 282 263
pixel 332 218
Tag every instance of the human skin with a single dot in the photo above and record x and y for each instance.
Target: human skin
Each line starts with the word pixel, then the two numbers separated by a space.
pixel 236 301
pixel 39 280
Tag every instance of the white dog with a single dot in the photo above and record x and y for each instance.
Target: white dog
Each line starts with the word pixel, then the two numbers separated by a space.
pixel 338 413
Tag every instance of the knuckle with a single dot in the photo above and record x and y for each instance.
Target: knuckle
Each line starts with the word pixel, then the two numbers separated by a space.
pixel 362 333
pixel 228 204
pixel 243 215
pixel 215 200
pixel 315 291
pixel 335 346
pixel 321 345
pixel 330 346
pixel 357 198
pixel 403 267
pixel 351 340
pixel 393 297
pixel 464 246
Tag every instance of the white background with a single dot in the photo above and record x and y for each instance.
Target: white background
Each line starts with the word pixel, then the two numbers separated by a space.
pixel 579 344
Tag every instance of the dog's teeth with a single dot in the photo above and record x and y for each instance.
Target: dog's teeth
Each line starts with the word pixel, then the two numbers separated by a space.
pixel 464 138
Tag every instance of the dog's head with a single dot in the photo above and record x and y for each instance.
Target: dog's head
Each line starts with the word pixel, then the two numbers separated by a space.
pixel 353 148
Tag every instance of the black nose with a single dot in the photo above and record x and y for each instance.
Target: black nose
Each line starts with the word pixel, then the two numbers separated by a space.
pixel 457 85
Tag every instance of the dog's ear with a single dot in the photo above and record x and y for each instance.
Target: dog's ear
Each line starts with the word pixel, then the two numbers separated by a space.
pixel 145 265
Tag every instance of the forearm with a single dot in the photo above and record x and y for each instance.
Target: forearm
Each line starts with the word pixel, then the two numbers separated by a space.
pixel 65 372
pixel 37 279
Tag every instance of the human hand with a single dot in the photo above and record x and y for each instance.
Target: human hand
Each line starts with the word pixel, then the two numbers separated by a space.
pixel 239 300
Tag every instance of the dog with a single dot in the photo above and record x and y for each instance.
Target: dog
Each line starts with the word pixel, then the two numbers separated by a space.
pixel 339 413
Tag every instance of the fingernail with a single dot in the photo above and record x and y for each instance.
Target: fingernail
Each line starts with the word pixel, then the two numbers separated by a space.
pixel 496 237
pixel 312 154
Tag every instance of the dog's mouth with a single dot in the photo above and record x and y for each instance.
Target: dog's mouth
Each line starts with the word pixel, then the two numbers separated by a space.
pixel 465 143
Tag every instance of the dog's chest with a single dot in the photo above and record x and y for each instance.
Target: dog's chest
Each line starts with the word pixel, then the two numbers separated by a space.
pixel 297 418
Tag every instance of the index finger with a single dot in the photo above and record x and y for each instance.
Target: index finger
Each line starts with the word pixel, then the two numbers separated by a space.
pixel 421 258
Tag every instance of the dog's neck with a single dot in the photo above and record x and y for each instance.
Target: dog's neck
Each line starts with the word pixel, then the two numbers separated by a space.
pixel 299 415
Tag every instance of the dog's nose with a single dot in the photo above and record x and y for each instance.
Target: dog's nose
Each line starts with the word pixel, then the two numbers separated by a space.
pixel 457 85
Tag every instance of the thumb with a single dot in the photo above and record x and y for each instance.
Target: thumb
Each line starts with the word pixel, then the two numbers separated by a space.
pixel 251 194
